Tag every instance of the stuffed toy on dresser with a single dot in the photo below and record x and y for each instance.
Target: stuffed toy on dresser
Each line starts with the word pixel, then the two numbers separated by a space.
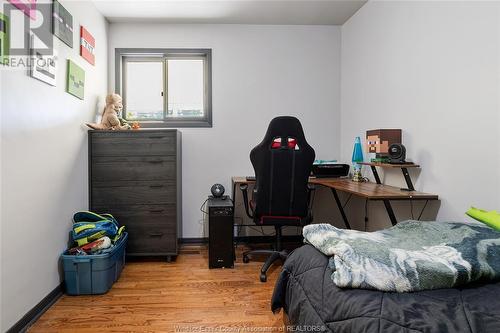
pixel 110 116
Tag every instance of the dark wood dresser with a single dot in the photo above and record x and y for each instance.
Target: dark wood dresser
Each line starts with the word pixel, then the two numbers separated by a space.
pixel 136 177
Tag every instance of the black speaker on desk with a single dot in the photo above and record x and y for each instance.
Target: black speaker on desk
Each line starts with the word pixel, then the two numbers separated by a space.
pixel 220 233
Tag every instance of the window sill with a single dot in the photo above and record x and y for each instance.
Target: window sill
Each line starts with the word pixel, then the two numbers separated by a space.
pixel 175 124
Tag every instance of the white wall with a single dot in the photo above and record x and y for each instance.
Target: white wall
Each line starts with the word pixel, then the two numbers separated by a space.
pixel 432 69
pixel 259 72
pixel 44 167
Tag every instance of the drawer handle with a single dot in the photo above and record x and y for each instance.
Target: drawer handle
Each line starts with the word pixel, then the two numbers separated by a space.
pixel 156 210
pixel 155 162
pixel 155 186
pixel 157 137
pixel 155 234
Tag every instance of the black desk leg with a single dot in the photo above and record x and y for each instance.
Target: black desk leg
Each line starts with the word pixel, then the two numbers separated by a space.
pixel 234 193
pixel 375 174
pixel 408 180
pixel 341 209
pixel 390 212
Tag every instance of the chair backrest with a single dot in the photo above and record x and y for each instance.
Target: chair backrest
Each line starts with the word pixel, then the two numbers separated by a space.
pixel 282 164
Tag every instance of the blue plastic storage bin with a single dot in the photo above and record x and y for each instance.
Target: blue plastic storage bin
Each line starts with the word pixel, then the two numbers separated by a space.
pixel 96 273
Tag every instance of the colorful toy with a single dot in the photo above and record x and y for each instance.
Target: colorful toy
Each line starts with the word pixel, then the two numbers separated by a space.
pixel 490 218
pixel 110 116
pixel 379 140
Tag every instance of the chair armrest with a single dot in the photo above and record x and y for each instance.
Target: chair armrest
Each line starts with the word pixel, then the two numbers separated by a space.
pixel 244 190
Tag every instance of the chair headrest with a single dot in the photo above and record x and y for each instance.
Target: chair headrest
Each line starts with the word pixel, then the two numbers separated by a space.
pixel 284 127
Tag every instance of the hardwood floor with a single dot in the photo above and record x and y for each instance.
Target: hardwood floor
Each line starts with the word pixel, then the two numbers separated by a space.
pixel 182 296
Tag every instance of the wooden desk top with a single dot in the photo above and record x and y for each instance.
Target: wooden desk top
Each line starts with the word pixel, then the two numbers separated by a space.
pixel 368 190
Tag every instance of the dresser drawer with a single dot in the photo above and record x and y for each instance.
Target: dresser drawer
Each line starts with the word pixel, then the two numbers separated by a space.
pixel 152 229
pixel 138 214
pixel 133 193
pixel 152 238
pixel 133 168
pixel 133 143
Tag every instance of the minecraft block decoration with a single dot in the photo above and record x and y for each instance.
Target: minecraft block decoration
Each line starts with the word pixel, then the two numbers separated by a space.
pixel 4 39
pixel 62 23
pixel 87 45
pixel 28 7
pixel 44 67
pixel 379 140
pixel 75 82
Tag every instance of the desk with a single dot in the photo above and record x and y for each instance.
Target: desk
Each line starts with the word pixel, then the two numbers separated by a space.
pixel 367 190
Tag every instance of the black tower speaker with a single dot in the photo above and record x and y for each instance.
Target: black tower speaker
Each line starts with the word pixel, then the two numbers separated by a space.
pixel 220 233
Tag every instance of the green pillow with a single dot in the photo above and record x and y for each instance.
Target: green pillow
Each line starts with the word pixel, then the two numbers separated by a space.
pixel 491 218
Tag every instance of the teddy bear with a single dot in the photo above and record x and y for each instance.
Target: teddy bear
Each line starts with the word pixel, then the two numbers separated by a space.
pixel 110 116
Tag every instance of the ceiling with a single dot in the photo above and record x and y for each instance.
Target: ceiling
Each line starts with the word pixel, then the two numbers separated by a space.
pixel 313 12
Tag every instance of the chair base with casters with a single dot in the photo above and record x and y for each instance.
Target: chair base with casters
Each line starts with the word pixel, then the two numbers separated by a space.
pixel 274 255
pixel 278 253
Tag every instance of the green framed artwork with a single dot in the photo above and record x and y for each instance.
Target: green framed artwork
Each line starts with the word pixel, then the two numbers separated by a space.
pixel 75 81
pixel 4 39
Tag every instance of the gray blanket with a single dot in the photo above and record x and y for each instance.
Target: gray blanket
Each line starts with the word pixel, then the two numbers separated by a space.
pixel 410 256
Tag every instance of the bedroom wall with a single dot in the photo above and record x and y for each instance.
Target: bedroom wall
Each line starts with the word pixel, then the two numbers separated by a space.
pixel 44 166
pixel 259 72
pixel 432 69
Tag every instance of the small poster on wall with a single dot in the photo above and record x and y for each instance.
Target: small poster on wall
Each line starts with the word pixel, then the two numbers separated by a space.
pixel 44 67
pixel 75 81
pixel 62 23
pixel 27 6
pixel 87 45
pixel 4 39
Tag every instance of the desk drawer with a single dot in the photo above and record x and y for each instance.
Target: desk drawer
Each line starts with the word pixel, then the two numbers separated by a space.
pixel 134 168
pixel 133 193
pixel 133 144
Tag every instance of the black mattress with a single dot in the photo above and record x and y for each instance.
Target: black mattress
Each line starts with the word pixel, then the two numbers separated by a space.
pixel 312 301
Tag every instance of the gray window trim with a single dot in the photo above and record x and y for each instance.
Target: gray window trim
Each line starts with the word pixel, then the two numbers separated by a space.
pixel 206 121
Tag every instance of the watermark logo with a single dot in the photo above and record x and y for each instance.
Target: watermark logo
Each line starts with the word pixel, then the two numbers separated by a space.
pixel 26 41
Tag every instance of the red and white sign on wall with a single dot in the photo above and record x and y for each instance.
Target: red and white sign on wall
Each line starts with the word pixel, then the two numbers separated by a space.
pixel 87 45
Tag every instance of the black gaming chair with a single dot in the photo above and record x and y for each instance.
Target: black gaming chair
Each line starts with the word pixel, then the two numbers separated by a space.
pixel 282 195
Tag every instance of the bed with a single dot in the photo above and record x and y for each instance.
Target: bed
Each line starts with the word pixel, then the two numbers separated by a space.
pixel 313 303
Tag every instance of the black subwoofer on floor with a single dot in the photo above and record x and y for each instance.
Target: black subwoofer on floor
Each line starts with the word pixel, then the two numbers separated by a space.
pixel 220 233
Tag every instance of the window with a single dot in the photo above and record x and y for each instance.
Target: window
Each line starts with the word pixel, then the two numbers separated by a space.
pixel 165 87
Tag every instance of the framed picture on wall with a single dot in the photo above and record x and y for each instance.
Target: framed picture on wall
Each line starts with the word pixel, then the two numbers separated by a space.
pixel 26 6
pixel 75 81
pixel 44 67
pixel 62 23
pixel 87 45
pixel 4 39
